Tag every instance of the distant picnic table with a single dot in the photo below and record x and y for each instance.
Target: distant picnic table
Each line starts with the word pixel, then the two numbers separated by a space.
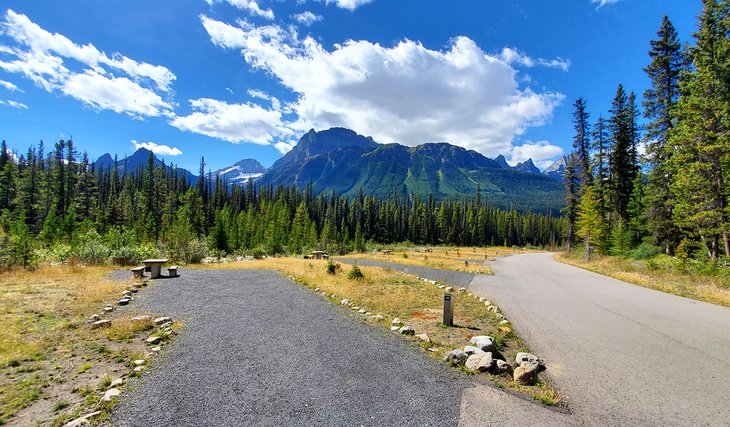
pixel 155 266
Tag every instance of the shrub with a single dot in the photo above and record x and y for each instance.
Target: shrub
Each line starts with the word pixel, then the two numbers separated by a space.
pixel 645 251
pixel 332 267
pixel 355 273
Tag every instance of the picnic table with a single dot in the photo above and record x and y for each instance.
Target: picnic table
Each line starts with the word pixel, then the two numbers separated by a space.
pixel 155 266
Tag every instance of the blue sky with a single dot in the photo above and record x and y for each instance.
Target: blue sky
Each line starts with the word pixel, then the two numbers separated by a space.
pixel 233 79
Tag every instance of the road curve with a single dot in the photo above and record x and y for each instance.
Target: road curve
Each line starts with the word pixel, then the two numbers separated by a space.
pixel 621 354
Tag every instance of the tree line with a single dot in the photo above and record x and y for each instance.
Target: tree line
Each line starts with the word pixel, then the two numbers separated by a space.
pixel 60 206
pixel 674 196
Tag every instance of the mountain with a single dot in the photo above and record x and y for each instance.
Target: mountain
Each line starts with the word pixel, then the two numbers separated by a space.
pixel 502 162
pixel 241 172
pixel 137 161
pixel 527 166
pixel 341 161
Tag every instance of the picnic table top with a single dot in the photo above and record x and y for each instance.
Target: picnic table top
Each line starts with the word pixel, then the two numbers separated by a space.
pixel 155 261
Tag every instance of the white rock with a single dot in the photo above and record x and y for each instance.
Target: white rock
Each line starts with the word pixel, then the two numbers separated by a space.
pixel 94 318
pixel 503 367
pixel 124 301
pixel 162 320
pixel 140 362
pixel 82 421
pixel 156 349
pixel 316 289
pixel 141 318
pixel 111 394
pixel 116 383
pixel 396 321
pixel 139 369
pixel 101 324
pixel 484 342
pixel 362 311
pixel 153 340
pixel 480 362
pixel 493 309
pixel 462 289
pixel 367 313
pixel 449 289
pixel 394 328
pixel 407 330
pixel 456 357
pixel 107 309
pixel 441 286
pixel 379 318
pixel 423 337
pixel 470 349
pixel 481 299
pixel 345 301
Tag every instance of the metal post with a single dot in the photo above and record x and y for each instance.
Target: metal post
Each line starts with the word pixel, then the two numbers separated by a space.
pixel 448 310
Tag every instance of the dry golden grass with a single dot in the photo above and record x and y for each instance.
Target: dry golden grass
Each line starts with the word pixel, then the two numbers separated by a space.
pixel 705 288
pixel 46 348
pixel 416 302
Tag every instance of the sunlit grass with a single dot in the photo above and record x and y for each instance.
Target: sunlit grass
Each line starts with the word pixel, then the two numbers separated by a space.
pixel 660 274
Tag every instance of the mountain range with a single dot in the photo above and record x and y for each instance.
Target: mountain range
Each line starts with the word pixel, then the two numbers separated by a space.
pixel 341 161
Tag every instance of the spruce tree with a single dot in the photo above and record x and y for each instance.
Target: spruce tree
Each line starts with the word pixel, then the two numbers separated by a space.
pixel 660 100
pixel 700 162
pixel 582 142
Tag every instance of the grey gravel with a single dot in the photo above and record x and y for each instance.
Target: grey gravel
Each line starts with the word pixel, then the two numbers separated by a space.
pixel 455 278
pixel 258 349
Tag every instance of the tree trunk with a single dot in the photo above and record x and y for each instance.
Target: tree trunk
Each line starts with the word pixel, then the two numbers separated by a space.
pixel 726 240
pixel 588 249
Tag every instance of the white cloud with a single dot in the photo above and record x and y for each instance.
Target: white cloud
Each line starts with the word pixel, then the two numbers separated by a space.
pixel 9 86
pixel 14 104
pixel 542 153
pixel 307 18
pixel 251 6
pixel 602 3
pixel 406 93
pixel 161 149
pixel 285 147
pixel 118 94
pixel 349 4
pixel 515 57
pixel 40 41
pixel 233 122
pixel 41 57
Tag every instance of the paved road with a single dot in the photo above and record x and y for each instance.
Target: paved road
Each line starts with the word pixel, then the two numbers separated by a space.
pixel 257 349
pixel 622 354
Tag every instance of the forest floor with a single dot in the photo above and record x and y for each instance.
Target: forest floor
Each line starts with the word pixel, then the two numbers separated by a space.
pixel 53 366
pixel 463 259
pixel 660 273
pixel 416 302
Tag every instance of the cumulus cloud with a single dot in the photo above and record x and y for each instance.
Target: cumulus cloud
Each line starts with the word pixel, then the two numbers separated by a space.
pixel 14 104
pixel 349 4
pixel 251 6
pixel 41 57
pixel 542 153
pixel 285 146
pixel 307 18
pixel 118 94
pixel 515 57
pixel 9 86
pixel 161 149
pixel 602 3
pixel 233 122
pixel 406 93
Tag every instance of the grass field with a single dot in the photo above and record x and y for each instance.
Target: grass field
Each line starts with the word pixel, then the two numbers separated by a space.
pixel 464 259
pixel 416 302
pixel 53 366
pixel 661 273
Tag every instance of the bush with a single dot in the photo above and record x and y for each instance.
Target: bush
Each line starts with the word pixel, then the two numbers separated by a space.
pixel 355 273
pixel 645 251
pixel 333 267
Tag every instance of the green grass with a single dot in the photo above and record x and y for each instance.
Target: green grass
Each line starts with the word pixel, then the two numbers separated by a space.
pixel 85 367
pixel 60 405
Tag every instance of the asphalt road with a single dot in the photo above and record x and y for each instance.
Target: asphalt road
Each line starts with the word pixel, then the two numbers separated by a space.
pixel 259 350
pixel 621 354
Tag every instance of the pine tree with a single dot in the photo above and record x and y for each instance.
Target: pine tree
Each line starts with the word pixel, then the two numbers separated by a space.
pixel 622 159
pixel 700 162
pixel 590 222
pixel 660 100
pixel 571 200
pixel 582 142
